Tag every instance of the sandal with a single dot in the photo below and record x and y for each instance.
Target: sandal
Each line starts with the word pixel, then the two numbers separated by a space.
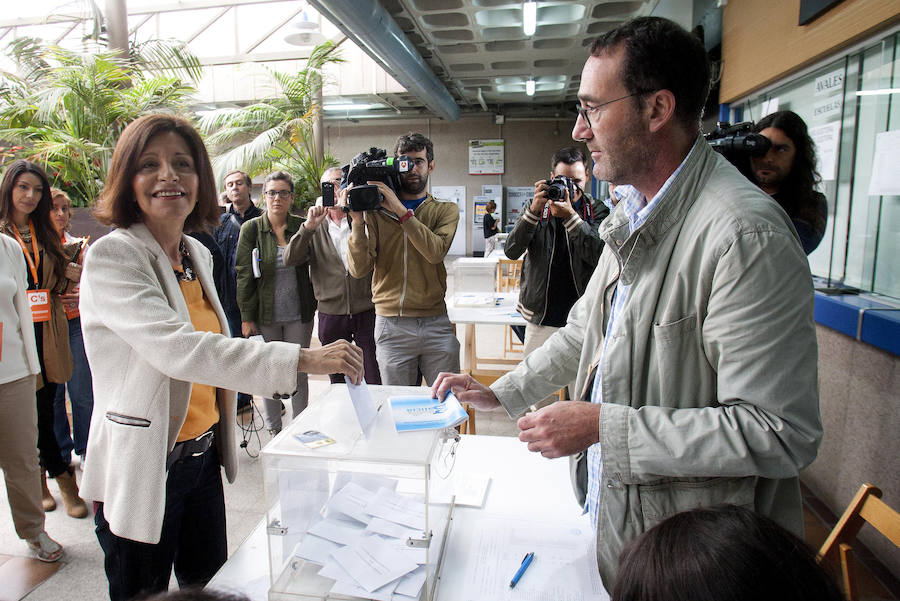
pixel 45 548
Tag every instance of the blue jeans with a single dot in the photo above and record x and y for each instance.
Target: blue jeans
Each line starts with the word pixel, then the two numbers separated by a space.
pixel 81 395
pixel 193 537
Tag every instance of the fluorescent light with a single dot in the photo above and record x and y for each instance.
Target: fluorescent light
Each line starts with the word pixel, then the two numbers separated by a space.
pixel 348 107
pixel 529 87
pixel 529 16
pixel 883 91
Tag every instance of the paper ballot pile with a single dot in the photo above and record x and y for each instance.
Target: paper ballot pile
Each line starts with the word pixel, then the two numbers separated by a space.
pixel 361 543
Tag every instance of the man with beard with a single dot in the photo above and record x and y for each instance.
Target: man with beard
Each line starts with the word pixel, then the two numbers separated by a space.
pixel 403 245
pixel 693 349
pixel 787 173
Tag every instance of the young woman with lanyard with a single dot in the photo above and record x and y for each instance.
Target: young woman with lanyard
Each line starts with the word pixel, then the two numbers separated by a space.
pixel 25 215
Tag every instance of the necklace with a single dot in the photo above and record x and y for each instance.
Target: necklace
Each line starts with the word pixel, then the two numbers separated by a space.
pixel 187 273
pixel 25 233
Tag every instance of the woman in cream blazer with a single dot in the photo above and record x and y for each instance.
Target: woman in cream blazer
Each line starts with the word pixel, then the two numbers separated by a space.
pixel 165 368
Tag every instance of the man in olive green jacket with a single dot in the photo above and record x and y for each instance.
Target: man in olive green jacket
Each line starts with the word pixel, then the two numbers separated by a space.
pixel 693 348
pixel 404 244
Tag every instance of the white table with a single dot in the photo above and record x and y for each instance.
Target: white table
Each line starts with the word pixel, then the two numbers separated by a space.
pixel 502 311
pixel 526 491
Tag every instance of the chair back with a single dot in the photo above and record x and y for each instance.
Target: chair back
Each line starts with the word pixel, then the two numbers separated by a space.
pixel 509 274
pixel 865 508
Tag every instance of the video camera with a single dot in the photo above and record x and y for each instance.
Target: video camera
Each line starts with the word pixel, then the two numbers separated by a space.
pixel 558 186
pixel 738 142
pixel 373 165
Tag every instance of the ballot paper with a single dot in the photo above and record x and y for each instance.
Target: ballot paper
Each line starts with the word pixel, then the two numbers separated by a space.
pixel 394 507
pixel 413 413
pixel 372 563
pixel 316 549
pixel 411 584
pixel 387 528
pixel 345 585
pixel 343 532
pixel 351 500
pixel 363 405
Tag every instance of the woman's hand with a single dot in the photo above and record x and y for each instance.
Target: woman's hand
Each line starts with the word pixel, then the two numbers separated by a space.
pixel 339 357
pixel 73 272
pixel 248 329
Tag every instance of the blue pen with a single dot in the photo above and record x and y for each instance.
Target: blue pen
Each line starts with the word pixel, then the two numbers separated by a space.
pixel 518 576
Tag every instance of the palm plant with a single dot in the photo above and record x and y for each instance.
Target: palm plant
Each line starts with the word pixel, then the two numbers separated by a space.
pixel 276 133
pixel 67 109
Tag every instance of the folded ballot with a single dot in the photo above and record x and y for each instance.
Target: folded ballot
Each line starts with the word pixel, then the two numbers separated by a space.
pixel 425 413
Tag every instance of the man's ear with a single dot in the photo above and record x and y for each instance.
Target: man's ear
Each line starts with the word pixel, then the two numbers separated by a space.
pixel 659 109
pixel 431 167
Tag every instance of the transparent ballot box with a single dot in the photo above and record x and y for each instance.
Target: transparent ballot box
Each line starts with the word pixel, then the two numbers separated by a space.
pixel 353 514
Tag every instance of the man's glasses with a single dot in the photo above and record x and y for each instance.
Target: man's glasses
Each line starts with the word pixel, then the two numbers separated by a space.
pixel 584 111
pixel 278 193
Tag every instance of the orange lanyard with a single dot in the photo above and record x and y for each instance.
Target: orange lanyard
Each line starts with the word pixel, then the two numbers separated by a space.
pixel 31 264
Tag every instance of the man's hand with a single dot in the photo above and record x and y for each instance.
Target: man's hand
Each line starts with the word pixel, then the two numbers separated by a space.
pixel 390 201
pixel 342 200
pixel 540 197
pixel 314 217
pixel 339 357
pixel 466 389
pixel 562 208
pixel 248 329
pixel 563 428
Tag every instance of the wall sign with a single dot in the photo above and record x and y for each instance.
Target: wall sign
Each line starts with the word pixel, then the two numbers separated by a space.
pixel 485 157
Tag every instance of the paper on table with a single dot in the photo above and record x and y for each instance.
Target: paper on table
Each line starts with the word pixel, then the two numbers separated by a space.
pixel 344 532
pixel 351 500
pixel 316 549
pixel 363 405
pixel 399 546
pixel 409 511
pixel 411 584
pixel 564 567
pixel 345 585
pixel 372 562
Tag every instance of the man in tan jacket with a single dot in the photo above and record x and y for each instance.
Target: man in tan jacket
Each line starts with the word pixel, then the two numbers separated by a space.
pixel 403 244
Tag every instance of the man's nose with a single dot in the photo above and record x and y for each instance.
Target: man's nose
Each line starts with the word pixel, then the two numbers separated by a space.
pixel 581 131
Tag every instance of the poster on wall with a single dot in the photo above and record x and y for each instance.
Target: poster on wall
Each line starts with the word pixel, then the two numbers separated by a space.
pixel 518 198
pixel 495 193
pixel 885 176
pixel 479 203
pixel 826 138
pixel 455 194
pixel 485 157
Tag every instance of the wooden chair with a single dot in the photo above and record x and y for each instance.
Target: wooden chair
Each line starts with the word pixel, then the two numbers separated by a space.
pixel 865 508
pixel 509 276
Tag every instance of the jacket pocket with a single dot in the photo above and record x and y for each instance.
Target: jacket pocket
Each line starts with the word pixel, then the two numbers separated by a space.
pixel 127 420
pixel 676 355
pixel 667 497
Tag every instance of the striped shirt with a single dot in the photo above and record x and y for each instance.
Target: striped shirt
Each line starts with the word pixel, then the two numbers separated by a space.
pixel 638 210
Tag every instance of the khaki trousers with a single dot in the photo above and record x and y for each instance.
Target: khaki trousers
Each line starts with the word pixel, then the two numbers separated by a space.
pixel 535 337
pixel 19 456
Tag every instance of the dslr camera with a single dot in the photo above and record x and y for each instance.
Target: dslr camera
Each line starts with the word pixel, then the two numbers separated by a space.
pixel 372 165
pixel 738 142
pixel 558 186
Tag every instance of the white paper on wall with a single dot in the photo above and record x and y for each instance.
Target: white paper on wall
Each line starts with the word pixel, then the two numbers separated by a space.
pixel 455 194
pixel 826 138
pixel 885 175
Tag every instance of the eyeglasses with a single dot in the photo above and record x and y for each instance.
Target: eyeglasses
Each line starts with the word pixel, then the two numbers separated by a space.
pixel 278 193
pixel 583 111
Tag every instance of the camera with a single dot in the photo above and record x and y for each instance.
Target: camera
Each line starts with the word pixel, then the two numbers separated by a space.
pixel 558 186
pixel 327 194
pixel 372 165
pixel 738 142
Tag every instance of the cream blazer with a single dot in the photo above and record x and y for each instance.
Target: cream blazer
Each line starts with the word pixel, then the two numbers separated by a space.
pixel 144 354
pixel 13 259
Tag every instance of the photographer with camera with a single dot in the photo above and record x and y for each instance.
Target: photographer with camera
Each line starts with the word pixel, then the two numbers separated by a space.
pixel 559 231
pixel 403 245
pixel 346 311
pixel 787 173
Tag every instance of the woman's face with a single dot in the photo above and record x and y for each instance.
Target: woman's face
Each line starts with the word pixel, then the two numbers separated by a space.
pixel 26 195
pixel 166 181
pixel 279 197
pixel 60 214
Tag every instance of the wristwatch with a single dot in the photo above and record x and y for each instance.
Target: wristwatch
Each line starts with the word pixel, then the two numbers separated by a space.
pixel 409 214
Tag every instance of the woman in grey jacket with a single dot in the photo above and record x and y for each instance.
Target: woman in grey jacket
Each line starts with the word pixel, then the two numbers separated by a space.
pixel 157 341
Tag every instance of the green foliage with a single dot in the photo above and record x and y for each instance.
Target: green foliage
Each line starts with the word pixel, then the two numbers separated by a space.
pixel 66 109
pixel 275 134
